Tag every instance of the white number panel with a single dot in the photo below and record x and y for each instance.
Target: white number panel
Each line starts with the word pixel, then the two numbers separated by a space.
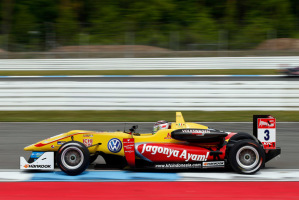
pixel 266 132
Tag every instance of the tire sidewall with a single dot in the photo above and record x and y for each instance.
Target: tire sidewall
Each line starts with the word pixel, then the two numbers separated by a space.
pixel 81 167
pixel 233 156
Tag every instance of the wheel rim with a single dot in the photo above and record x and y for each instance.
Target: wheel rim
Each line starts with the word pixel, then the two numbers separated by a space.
pixel 72 157
pixel 247 157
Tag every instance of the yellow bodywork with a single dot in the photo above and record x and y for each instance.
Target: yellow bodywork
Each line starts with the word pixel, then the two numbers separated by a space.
pixel 99 140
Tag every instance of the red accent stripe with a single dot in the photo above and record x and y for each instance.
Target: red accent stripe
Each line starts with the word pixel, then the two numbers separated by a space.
pixel 39 145
pixel 43 144
pixel 149 190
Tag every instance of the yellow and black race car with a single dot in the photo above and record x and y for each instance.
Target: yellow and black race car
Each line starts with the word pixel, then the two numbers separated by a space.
pixel 177 145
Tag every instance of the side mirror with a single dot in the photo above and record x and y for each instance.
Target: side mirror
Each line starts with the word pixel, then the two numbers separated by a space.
pixel 133 128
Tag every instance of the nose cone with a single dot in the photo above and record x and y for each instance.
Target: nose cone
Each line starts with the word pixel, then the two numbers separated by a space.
pixel 30 148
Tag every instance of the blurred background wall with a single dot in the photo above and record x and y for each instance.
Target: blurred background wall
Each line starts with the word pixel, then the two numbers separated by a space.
pixel 129 26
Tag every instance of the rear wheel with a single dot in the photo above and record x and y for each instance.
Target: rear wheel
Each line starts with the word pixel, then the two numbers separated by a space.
pixel 246 157
pixel 73 158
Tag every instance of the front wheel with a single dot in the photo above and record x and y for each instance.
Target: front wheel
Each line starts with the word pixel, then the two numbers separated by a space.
pixel 246 157
pixel 73 158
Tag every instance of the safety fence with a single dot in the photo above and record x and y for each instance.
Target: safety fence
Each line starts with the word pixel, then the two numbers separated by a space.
pixel 156 96
pixel 271 62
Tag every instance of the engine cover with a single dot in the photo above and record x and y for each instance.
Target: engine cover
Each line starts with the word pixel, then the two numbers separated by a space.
pixel 198 135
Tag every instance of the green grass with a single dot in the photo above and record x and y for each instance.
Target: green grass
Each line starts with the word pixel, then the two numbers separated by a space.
pixel 139 116
pixel 142 72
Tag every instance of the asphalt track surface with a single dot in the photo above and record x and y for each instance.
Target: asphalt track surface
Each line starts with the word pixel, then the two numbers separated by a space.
pixel 15 136
pixel 150 78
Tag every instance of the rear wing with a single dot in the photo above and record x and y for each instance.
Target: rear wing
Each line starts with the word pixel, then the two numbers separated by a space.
pixel 264 129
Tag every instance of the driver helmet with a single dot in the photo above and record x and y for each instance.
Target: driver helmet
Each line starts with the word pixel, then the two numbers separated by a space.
pixel 162 124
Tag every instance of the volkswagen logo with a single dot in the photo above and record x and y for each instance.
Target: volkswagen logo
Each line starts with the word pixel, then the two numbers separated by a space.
pixel 114 145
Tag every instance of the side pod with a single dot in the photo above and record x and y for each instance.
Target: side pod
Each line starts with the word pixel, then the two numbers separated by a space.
pixel 44 162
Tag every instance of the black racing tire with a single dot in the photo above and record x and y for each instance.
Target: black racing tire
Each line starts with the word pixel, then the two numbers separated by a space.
pixel 246 157
pixel 73 158
pixel 92 158
pixel 242 136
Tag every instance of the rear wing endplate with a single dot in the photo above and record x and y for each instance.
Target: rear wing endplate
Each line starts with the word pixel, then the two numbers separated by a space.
pixel 264 129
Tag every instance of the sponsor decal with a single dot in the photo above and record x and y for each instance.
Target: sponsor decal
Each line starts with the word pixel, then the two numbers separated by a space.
pixel 36 154
pixel 196 132
pixel 52 146
pixel 163 153
pixel 266 123
pixel 129 150
pixel 213 164
pixel 114 145
pixel 178 165
pixel 61 142
pixel 87 142
pixel 87 135
pixel 269 145
pixel 28 166
pixel 168 136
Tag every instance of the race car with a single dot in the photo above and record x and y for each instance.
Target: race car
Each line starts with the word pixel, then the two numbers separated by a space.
pixel 289 71
pixel 177 145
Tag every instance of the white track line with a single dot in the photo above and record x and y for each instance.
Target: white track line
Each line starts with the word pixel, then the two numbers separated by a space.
pixel 14 176
pixel 202 176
